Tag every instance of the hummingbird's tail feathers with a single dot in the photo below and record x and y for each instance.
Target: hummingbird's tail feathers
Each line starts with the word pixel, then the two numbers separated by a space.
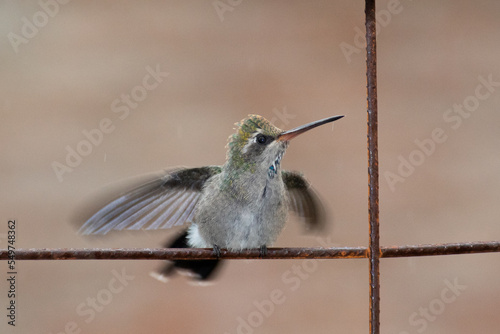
pixel 200 270
pixel 169 200
pixel 159 276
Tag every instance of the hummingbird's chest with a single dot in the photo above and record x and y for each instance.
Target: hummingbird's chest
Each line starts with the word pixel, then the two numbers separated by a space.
pixel 249 215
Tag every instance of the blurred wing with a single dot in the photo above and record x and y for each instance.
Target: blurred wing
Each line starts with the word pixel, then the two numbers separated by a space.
pixel 303 200
pixel 164 202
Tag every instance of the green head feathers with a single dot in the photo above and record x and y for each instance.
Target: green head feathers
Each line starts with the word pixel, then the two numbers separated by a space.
pixel 238 160
pixel 246 128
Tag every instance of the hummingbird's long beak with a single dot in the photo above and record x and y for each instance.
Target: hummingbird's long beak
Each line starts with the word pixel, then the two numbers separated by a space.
pixel 290 134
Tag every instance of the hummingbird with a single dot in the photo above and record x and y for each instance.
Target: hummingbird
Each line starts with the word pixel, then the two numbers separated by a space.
pixel 240 205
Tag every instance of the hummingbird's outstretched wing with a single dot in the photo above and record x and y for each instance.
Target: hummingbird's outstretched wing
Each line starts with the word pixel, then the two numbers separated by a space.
pixel 303 200
pixel 166 201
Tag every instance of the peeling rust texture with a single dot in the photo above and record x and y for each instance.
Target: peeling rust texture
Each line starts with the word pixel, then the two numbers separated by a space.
pixel 272 253
pixel 373 186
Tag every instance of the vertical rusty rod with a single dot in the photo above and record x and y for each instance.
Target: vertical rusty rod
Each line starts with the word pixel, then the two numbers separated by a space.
pixel 373 186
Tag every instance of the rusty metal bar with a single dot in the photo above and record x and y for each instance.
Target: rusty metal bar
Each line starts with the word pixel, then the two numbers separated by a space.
pixel 273 253
pixel 182 254
pixel 443 249
pixel 373 187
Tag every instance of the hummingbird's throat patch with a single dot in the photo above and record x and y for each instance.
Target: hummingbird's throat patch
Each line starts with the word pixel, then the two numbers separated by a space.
pixel 273 169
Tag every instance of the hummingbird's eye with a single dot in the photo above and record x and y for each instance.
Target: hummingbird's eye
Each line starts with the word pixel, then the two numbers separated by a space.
pixel 261 139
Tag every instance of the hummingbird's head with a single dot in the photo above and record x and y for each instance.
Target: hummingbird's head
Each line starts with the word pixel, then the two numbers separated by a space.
pixel 255 143
pixel 259 145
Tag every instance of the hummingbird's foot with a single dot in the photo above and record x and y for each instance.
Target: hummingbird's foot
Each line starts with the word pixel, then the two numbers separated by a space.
pixel 216 251
pixel 263 251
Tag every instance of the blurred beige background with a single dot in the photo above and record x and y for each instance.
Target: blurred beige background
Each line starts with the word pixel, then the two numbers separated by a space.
pixel 291 61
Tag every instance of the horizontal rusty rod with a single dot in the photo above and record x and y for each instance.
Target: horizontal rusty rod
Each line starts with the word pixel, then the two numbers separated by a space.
pixel 272 253
pixel 442 249
pixel 183 253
